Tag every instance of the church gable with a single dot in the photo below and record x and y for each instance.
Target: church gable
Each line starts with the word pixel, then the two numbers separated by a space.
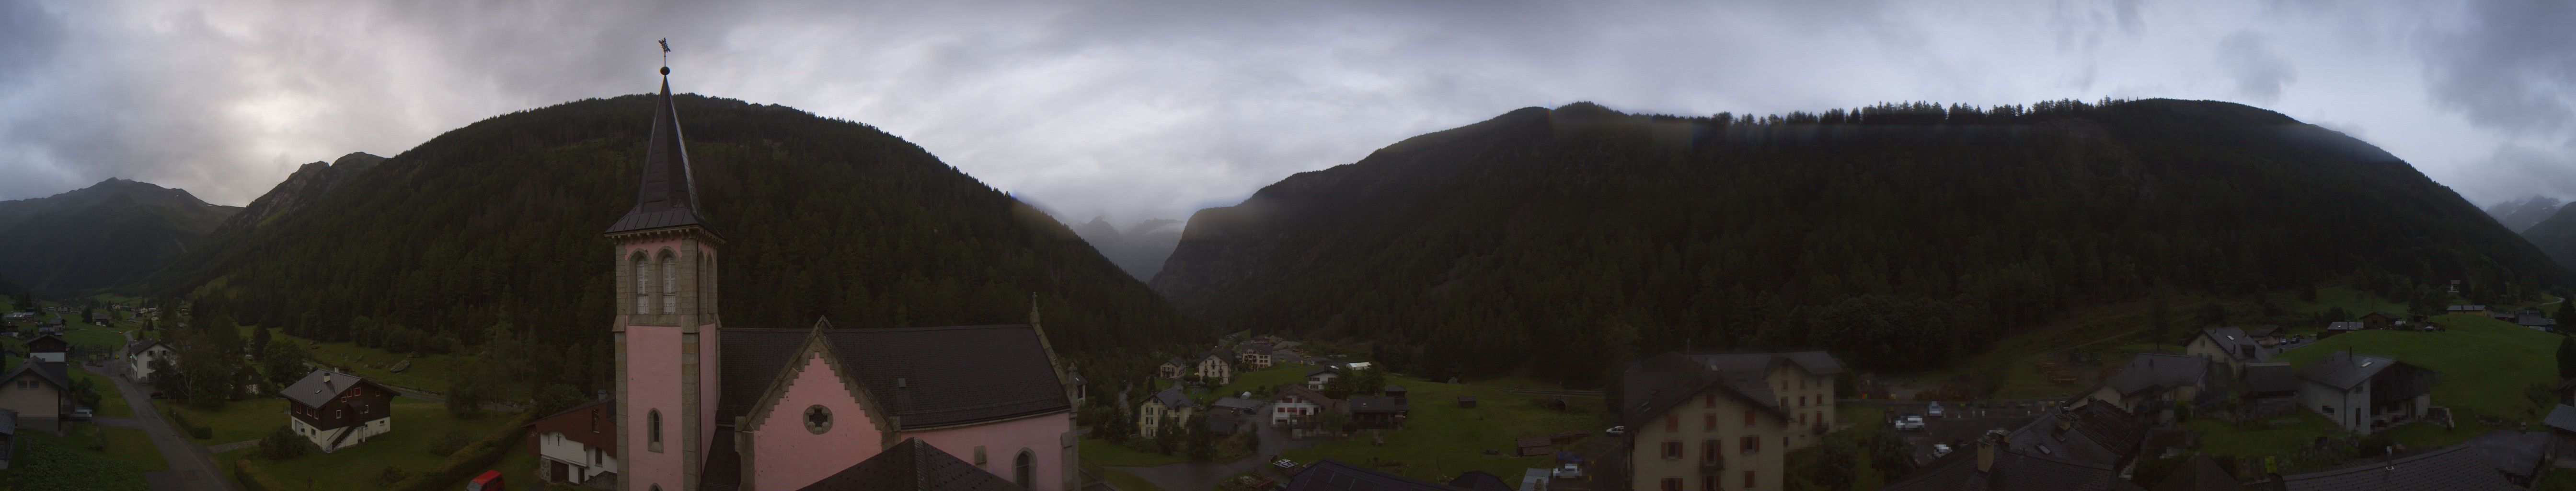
pixel 814 421
pixel 815 375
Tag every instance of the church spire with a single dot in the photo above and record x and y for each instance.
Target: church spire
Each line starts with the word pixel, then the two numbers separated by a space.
pixel 668 196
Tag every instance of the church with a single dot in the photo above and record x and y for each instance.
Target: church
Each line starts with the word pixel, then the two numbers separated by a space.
pixel 702 406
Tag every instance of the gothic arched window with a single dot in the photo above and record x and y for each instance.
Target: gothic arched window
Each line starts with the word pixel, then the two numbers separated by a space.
pixel 1024 470
pixel 670 284
pixel 643 285
pixel 653 426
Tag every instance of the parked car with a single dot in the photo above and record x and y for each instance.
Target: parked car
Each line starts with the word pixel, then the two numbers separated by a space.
pixel 489 481
pixel 1910 423
pixel 82 414
pixel 1616 430
pixel 1934 410
pixel 1569 471
pixel 1940 449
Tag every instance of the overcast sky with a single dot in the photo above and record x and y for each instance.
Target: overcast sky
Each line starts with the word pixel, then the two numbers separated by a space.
pixel 1154 109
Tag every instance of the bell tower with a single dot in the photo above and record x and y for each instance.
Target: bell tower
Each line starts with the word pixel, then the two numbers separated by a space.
pixel 666 330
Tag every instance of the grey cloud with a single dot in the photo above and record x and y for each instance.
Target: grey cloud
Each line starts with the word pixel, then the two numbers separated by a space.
pixel 2259 72
pixel 2510 66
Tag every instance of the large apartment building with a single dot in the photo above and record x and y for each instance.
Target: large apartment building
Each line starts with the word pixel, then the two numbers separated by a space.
pixel 1723 421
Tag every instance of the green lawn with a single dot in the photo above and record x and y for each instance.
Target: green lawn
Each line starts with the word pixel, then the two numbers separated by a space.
pixel 1442 440
pixel 1259 382
pixel 517 464
pixel 1096 451
pixel 110 402
pixel 429 372
pixel 416 424
pixel 2485 363
pixel 65 463
pixel 245 419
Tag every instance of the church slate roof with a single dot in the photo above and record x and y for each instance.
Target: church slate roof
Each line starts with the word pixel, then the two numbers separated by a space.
pixel 667 197
pixel 927 376
pixel 913 466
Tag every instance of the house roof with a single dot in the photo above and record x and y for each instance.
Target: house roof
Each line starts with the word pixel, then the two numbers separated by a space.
pixel 2271 377
pixel 2154 371
pixel 1661 382
pixel 926 376
pixel 1322 370
pixel 1223 423
pixel 2345 369
pixel 138 346
pixel 2512 452
pixel 668 195
pixel 1173 398
pixel 1176 361
pixel 31 342
pixel 317 388
pixel 2465 308
pixel 1334 475
pixel 612 409
pixel 2563 418
pixel 2199 474
pixel 2085 453
pixel 1238 403
pixel 1392 389
pixel 913 466
pixel 2343 326
pixel 2534 320
pixel 1376 404
pixel 2382 313
pixel 1309 394
pixel 2457 467
pixel 52 372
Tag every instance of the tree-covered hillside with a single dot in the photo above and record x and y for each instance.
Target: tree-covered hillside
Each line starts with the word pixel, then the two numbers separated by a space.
pixel 109 234
pixel 501 220
pixel 1900 236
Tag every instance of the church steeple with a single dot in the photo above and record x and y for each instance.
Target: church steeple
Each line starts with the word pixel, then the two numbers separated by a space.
pixel 668 196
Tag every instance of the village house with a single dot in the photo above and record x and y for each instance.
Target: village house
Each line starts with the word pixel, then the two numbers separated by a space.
pixel 1215 368
pixel 1378 412
pixel 1302 410
pixel 337 410
pixel 48 347
pixel 1801 381
pixel 2152 383
pixel 2232 348
pixel 577 445
pixel 1693 427
pixel 705 406
pixel 2535 321
pixel 1236 405
pixel 2466 309
pixel 1255 356
pixel 2364 393
pixel 1172 369
pixel 2087 446
pixel 1165 410
pixel 139 355
pixel 1321 378
pixel 39 392
pixel 101 317
pixel 2381 320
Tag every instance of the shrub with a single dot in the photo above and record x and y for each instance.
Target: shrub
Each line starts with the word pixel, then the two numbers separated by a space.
pixel 284 444
pixel 449 443
pixel 392 475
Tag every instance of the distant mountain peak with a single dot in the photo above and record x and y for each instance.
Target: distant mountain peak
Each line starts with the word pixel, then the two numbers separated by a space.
pixel 308 183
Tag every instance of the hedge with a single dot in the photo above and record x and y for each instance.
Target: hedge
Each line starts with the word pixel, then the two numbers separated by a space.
pixel 253 479
pixel 470 461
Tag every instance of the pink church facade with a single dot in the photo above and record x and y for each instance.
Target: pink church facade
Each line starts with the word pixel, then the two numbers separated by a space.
pixel 707 407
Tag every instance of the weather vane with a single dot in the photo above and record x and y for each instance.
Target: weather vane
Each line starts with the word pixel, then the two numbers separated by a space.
pixel 666 55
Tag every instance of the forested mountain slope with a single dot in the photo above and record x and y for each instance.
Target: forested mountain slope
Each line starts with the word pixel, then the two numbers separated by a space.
pixel 821 217
pixel 2556 236
pixel 108 234
pixel 1901 236
pixel 299 189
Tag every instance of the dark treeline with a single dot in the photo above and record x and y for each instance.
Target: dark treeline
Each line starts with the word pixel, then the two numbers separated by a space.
pixel 498 224
pixel 1901 236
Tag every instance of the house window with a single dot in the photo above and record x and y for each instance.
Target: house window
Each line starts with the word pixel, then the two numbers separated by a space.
pixel 1712 421
pixel 1752 444
pixel 1748 417
pixel 1672 422
pixel 643 285
pixel 1024 469
pixel 1672 484
pixel 979 456
pixel 1711 399
pixel 653 426
pixel 818 419
pixel 1802 419
pixel 1673 449
pixel 1709 451
pixel 670 284
pixel 1748 480
pixel 1708 482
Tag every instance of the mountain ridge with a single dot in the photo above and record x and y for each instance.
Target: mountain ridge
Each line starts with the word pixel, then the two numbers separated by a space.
pixel 100 236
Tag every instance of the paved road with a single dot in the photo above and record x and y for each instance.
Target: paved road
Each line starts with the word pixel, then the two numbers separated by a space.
pixel 192 468
pixel 1193 476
